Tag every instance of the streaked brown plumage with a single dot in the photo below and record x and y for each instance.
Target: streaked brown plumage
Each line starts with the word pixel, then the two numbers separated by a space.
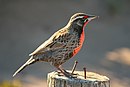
pixel 63 44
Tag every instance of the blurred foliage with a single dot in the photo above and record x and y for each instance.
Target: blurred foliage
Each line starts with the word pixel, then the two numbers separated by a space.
pixel 14 83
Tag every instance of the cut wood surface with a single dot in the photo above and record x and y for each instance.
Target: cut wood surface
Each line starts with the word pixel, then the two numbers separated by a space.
pixel 78 80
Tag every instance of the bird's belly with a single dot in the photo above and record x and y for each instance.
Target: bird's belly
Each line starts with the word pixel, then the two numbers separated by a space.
pixel 76 50
pixel 70 50
pixel 60 56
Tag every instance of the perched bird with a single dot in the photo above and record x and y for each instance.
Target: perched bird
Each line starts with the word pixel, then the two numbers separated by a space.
pixel 62 45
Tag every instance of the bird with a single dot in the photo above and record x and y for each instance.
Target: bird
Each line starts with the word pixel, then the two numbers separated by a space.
pixel 62 45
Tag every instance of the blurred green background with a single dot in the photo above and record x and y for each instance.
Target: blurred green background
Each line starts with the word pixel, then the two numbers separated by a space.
pixel 25 24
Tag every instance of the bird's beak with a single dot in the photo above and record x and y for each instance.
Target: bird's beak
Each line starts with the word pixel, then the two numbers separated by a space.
pixel 92 17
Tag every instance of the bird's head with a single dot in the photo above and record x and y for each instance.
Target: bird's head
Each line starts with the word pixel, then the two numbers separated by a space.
pixel 81 19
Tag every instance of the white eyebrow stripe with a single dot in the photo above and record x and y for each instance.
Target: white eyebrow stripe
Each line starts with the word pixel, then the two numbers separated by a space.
pixel 78 17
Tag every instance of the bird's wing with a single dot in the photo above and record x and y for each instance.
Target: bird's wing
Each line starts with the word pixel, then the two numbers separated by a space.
pixel 54 42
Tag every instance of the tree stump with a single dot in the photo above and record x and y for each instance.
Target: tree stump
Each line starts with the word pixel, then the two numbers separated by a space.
pixel 78 80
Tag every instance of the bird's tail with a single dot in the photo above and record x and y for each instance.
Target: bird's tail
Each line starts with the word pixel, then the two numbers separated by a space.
pixel 30 61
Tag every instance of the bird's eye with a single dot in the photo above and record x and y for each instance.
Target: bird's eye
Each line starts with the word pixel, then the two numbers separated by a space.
pixel 85 17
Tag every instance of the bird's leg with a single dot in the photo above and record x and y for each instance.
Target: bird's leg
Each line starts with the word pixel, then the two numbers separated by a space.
pixel 64 72
pixel 73 69
pixel 60 69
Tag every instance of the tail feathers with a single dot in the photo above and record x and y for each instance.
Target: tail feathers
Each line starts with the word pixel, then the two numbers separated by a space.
pixel 30 61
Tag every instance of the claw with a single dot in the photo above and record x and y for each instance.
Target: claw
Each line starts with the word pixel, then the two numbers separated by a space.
pixel 64 72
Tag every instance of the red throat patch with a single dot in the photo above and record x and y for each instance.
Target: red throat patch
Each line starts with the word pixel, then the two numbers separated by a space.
pixel 76 50
pixel 85 24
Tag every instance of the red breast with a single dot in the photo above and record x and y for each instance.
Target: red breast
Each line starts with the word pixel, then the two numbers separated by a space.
pixel 81 40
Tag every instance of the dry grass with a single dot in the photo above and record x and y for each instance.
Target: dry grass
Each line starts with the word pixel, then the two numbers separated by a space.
pixel 121 55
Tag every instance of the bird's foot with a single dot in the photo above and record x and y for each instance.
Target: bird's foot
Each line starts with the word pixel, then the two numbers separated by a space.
pixel 65 73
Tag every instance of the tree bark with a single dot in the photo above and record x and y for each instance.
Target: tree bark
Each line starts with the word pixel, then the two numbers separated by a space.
pixel 78 80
